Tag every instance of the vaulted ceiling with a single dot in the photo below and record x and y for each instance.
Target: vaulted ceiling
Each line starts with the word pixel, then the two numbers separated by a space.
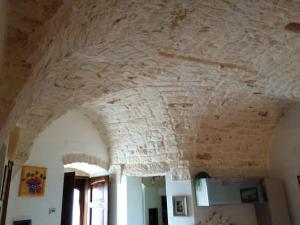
pixel 24 19
pixel 203 82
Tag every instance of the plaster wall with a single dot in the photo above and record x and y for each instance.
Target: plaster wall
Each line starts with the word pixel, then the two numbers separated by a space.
pixel 285 159
pixel 72 133
pixel 134 201
pixel 237 214
pixel 174 188
pixel 122 202
pixel 113 204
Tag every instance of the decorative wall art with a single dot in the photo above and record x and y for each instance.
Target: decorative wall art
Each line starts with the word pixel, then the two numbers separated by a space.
pixel 33 180
pixel 180 206
pixel 249 195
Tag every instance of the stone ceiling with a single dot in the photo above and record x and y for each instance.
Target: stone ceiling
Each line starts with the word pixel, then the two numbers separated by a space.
pixel 24 18
pixel 169 83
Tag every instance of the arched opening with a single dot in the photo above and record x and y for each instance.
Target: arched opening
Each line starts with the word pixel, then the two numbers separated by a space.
pixel 69 139
pixel 85 193
pixel 85 164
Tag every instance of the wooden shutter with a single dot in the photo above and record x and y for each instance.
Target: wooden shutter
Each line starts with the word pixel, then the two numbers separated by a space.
pixel 98 205
pixel 68 195
pixel 6 187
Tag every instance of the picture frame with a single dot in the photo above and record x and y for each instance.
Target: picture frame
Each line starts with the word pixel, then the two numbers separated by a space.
pixel 249 195
pixel 32 181
pixel 180 206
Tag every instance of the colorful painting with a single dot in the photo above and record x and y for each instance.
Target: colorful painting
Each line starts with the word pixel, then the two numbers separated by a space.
pixel 33 180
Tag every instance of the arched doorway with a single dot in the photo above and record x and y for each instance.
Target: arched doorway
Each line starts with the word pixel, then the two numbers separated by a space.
pixel 71 138
pixel 85 193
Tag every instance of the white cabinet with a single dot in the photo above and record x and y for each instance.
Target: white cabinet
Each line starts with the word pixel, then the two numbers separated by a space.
pixel 211 192
pixel 270 206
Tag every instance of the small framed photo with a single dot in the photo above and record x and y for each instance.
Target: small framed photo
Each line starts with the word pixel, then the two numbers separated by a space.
pixel 249 195
pixel 298 179
pixel 180 206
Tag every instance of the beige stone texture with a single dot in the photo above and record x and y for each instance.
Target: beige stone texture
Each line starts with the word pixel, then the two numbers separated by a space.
pixel 172 85
pixel 83 158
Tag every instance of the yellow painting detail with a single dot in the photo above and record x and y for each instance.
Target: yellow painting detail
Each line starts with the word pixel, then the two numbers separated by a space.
pixel 33 181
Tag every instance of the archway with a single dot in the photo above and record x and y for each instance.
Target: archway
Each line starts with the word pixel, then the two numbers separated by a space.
pixel 71 135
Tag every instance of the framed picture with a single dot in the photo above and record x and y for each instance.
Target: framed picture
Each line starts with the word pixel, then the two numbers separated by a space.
pixel 249 195
pixel 180 206
pixel 298 179
pixel 33 181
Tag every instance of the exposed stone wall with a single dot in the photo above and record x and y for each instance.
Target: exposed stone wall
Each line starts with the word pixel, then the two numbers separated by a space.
pixel 22 21
pixel 138 125
pixel 2 28
pixel 73 158
pixel 192 84
pixel 2 46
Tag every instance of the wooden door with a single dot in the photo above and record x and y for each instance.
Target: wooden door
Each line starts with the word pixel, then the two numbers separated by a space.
pixel 6 187
pixel 81 184
pixel 68 195
pixel 98 205
pixel 153 216
pixel 164 210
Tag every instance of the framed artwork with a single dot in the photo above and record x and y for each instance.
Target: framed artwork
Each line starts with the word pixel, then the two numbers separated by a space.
pixel 33 181
pixel 249 195
pixel 298 179
pixel 180 206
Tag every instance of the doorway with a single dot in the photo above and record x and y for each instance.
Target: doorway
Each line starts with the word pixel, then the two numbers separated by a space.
pixel 155 200
pixel 85 200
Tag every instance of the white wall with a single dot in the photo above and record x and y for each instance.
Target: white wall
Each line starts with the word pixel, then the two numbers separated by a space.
pixel 285 159
pixel 135 209
pixel 174 188
pixel 72 133
pixel 121 207
pixel 112 204
pixel 238 214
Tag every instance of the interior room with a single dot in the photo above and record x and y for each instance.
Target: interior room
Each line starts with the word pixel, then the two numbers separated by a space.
pixel 136 112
